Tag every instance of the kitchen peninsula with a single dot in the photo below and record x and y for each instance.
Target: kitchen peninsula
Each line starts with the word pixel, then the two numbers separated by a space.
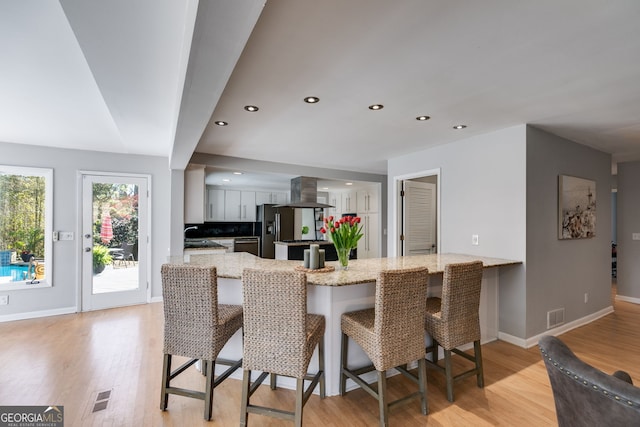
pixel 202 246
pixel 333 293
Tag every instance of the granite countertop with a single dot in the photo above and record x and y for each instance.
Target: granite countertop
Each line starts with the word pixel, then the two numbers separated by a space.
pixel 230 265
pixel 304 242
pixel 216 248
pixel 202 244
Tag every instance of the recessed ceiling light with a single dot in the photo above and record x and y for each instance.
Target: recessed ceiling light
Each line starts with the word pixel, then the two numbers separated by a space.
pixel 376 107
pixel 226 180
pixel 325 188
pixel 237 173
pixel 348 183
pixel 460 126
pixel 221 123
pixel 311 99
pixel 251 108
pixel 422 118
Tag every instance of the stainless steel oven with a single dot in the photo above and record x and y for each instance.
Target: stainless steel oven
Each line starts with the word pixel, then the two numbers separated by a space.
pixel 247 244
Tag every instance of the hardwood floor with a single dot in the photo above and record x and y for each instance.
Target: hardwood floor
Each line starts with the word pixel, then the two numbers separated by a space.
pixel 68 360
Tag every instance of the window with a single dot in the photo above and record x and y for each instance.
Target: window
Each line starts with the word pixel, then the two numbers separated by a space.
pixel 26 209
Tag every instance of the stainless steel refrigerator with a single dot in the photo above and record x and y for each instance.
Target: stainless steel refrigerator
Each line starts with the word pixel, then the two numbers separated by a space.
pixel 275 224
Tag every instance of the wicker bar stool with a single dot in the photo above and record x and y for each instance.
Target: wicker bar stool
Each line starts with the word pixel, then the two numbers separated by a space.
pixel 391 334
pixel 197 327
pixel 453 320
pixel 279 338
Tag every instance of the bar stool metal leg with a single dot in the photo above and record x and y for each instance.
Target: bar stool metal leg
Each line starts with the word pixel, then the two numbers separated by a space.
pixel 246 384
pixel 422 384
pixel 343 363
pixel 478 353
pixel 383 403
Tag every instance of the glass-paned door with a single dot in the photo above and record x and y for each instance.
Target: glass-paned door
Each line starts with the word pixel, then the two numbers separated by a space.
pixel 114 241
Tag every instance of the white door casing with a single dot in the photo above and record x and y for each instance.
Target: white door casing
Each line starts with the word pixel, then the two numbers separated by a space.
pixel 418 218
pixel 121 283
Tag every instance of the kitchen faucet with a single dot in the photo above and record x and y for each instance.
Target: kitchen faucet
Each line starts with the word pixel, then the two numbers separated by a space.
pixel 193 227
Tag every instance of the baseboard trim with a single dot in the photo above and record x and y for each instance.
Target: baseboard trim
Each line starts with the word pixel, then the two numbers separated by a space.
pixel 533 341
pixel 628 299
pixel 37 314
pixel 156 299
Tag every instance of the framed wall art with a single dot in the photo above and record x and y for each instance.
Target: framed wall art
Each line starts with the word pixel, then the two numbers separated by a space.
pixel 576 207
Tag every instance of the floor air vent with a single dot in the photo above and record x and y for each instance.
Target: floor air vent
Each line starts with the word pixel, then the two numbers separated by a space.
pixel 101 401
pixel 555 318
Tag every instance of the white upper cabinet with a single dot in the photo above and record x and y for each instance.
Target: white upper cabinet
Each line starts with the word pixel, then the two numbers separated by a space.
pixel 263 197
pixel 248 206
pixel 348 202
pixel 215 205
pixel 231 205
pixel 367 200
pixel 334 199
pixel 280 197
pixel 271 197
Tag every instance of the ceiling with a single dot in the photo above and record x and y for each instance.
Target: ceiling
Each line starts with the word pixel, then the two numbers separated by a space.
pixel 150 77
pixel 246 179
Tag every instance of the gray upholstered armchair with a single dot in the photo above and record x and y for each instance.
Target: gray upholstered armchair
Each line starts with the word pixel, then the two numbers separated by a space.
pixel 584 395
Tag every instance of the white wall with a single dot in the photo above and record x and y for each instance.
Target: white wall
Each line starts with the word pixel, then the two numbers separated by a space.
pixel 560 272
pixel 483 192
pixel 62 297
pixel 628 221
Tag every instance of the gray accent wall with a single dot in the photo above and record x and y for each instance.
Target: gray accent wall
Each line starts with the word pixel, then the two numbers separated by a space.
pixel 66 164
pixel 560 272
pixel 503 186
pixel 628 222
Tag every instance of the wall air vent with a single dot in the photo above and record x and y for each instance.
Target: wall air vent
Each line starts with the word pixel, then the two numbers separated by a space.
pixel 555 318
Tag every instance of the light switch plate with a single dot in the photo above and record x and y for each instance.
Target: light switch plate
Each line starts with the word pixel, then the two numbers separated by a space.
pixel 474 240
pixel 635 236
pixel 4 299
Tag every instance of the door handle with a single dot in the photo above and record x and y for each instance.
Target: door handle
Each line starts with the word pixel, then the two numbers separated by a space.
pixel 87 249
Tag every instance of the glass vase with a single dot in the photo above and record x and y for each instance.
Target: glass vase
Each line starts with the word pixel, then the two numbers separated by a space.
pixel 343 257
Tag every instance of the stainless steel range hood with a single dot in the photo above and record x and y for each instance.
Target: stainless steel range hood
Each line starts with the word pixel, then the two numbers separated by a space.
pixel 304 194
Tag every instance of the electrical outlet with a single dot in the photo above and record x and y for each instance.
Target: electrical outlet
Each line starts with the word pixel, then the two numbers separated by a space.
pixel 4 299
pixel 586 298
pixel 474 240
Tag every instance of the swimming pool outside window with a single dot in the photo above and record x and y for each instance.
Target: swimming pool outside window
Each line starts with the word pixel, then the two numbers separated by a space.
pixel 26 200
